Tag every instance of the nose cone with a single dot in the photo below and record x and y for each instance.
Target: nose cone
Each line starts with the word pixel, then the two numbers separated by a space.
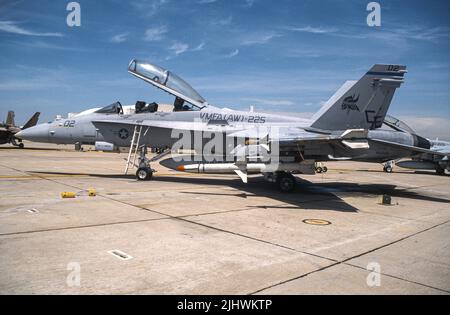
pixel 37 133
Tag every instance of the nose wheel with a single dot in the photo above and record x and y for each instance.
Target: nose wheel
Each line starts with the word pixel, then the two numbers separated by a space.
pixel 144 173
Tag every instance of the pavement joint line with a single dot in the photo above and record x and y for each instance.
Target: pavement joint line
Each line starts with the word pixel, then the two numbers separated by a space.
pixel 82 226
pixel 219 229
pixel 351 258
pixel 395 217
pixel 335 263
pixel 399 278
pixel 403 186
pixel 183 219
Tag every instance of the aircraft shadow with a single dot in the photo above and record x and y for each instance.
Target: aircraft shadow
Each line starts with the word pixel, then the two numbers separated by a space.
pixel 379 189
pixel 301 199
pixel 429 173
pixel 110 176
pixel 308 195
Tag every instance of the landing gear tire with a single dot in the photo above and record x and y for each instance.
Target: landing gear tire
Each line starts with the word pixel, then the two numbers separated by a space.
pixel 325 169
pixel 440 171
pixel 388 169
pixel 21 145
pixel 319 170
pixel 144 173
pixel 286 182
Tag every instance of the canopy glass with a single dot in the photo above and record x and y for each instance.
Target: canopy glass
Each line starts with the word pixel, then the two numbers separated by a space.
pixel 165 79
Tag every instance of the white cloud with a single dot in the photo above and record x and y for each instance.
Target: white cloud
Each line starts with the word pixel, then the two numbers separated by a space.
pixel 429 127
pixel 313 30
pixel 37 79
pixel 39 44
pixel 199 47
pixel 232 54
pixel 155 33
pixel 119 38
pixel 224 21
pixel 149 7
pixel 274 102
pixel 178 48
pixel 206 1
pixel 394 34
pixel 12 27
pixel 249 3
pixel 259 39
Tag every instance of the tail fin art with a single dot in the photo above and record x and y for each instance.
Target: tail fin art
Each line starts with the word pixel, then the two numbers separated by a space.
pixel 33 121
pixel 10 118
pixel 361 104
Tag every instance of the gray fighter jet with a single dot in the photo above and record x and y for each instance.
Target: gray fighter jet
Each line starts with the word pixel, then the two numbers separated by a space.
pixel 8 129
pixel 437 159
pixel 224 140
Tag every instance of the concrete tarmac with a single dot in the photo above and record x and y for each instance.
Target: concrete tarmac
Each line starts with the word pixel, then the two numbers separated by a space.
pixel 202 234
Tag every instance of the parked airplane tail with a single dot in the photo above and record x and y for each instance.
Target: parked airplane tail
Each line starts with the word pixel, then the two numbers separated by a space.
pixel 361 104
pixel 33 121
pixel 10 118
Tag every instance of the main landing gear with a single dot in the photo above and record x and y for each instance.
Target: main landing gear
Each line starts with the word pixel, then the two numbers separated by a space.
pixel 388 167
pixel 285 181
pixel 320 168
pixel 440 170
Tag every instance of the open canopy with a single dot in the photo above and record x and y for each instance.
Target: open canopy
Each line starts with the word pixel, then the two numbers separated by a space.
pixel 167 81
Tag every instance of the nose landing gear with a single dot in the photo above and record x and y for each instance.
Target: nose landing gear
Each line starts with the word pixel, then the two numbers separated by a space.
pixel 144 171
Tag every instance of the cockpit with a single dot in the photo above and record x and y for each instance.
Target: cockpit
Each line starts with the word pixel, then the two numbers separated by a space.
pixel 115 108
pixel 398 125
pixel 186 98
pixel 143 107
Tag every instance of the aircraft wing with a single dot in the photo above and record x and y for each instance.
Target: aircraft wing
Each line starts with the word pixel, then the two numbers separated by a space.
pixel 176 125
pixel 285 135
pixel 290 135
pixel 411 148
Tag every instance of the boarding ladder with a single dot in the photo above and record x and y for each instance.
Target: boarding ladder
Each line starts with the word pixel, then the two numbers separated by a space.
pixel 134 147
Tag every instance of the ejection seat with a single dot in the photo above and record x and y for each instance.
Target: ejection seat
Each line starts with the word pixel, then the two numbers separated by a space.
pixel 143 107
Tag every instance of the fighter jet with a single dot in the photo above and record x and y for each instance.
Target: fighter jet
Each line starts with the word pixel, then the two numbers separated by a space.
pixel 78 128
pixel 224 140
pixel 8 130
pixel 438 161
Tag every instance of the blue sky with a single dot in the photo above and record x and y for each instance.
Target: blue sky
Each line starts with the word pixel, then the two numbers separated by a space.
pixel 280 56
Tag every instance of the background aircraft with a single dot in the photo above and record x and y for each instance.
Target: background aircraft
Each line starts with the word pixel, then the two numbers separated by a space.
pixel 437 160
pixel 8 129
pixel 428 161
